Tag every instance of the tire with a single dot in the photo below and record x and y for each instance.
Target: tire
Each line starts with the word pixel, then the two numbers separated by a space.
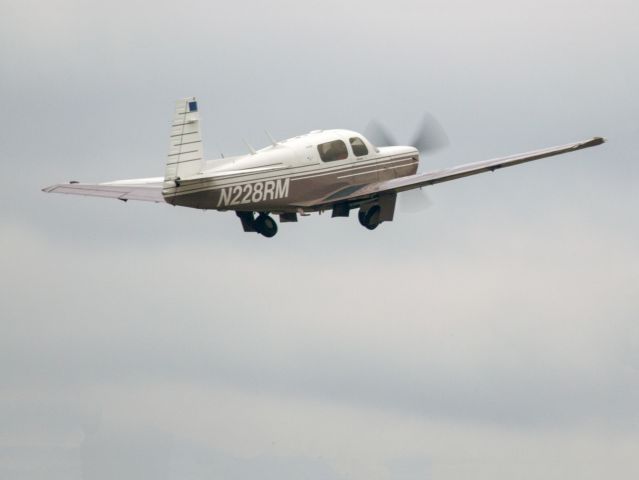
pixel 361 216
pixel 265 225
pixel 370 219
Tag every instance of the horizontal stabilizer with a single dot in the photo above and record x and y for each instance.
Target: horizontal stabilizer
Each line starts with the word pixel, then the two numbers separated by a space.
pixel 142 189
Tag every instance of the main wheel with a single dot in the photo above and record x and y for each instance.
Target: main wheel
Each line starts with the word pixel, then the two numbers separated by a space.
pixel 265 225
pixel 370 217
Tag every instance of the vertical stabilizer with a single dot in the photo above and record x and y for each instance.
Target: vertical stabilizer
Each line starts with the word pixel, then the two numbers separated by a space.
pixel 185 151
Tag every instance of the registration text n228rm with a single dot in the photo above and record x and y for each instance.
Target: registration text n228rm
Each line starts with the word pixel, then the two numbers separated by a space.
pixel 254 192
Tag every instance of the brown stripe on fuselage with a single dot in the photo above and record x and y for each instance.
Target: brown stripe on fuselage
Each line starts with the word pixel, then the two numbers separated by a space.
pixel 304 184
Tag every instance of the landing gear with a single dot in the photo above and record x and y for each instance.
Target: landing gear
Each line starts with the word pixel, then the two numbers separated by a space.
pixel 265 225
pixel 369 218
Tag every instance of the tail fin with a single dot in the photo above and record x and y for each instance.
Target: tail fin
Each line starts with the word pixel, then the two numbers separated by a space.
pixel 186 156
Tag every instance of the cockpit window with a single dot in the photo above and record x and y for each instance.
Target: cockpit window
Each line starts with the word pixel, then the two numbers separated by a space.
pixel 358 146
pixel 331 151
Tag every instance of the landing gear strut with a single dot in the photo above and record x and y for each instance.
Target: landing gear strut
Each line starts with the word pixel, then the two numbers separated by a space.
pixel 369 218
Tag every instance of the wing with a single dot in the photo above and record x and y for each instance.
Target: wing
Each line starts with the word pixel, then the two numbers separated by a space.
pixel 354 192
pixel 144 189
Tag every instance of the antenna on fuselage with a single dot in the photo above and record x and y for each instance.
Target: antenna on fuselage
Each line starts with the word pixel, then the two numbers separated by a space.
pixel 217 145
pixel 270 137
pixel 248 145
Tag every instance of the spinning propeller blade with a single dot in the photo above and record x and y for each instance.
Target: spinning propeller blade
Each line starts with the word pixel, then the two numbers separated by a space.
pixel 379 134
pixel 414 201
pixel 430 135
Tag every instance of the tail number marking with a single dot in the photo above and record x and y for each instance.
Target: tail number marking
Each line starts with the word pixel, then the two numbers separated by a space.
pixel 254 192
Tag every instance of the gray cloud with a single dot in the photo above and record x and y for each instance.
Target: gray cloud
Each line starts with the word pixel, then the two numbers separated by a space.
pixel 493 335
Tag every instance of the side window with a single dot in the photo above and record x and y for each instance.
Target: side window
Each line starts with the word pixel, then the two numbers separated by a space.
pixel 331 151
pixel 358 146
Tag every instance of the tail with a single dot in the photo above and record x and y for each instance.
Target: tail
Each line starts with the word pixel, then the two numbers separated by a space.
pixel 186 157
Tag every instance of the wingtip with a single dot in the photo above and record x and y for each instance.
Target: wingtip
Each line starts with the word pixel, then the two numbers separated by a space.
pixel 52 188
pixel 593 142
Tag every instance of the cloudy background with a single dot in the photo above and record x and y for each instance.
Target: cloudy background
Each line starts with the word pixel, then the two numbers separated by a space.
pixel 493 336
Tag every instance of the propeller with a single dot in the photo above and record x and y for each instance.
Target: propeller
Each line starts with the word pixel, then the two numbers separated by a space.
pixel 414 201
pixel 379 134
pixel 429 137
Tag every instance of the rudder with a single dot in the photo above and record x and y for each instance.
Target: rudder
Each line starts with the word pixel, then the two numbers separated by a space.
pixel 186 155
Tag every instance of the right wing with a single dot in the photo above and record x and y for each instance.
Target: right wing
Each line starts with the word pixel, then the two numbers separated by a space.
pixel 361 192
pixel 144 189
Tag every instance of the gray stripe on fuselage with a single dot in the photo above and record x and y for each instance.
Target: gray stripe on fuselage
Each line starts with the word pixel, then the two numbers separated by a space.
pixel 376 170
pixel 326 169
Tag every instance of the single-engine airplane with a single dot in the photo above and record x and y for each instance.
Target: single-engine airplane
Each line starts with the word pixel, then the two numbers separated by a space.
pixel 336 170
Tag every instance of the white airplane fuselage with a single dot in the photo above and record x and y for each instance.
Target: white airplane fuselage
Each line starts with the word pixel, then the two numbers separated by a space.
pixel 284 176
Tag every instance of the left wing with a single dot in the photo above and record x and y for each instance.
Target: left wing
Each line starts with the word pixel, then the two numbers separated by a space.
pixel 354 192
pixel 144 189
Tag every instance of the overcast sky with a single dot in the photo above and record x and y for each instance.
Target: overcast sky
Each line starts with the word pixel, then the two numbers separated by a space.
pixel 493 336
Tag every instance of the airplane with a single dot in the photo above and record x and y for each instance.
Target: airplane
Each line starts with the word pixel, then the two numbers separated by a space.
pixel 337 170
